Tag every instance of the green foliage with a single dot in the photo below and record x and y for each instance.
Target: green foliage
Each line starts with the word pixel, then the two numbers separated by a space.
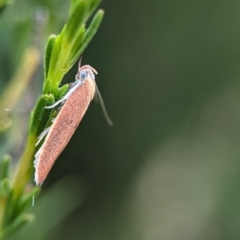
pixel 61 52
pixel 5 167
pixel 87 37
pixel 48 54
pixel 40 112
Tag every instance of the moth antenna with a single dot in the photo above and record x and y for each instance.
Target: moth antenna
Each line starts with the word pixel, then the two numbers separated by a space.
pixel 79 62
pixel 79 68
pixel 104 110
pixel 88 67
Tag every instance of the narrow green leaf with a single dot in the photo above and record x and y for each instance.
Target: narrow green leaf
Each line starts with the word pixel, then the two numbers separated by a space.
pixel 48 53
pixel 5 166
pixel 92 7
pixel 4 187
pixel 73 5
pixel 91 31
pixel 76 46
pixel 62 35
pixel 47 86
pixel 5 201
pixel 54 58
pixel 62 91
pixel 76 20
pixel 41 115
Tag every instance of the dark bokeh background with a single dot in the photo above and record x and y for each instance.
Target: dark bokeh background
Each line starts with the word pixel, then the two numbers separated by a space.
pixel 169 167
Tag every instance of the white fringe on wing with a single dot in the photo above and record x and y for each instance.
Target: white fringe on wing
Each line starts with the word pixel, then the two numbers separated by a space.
pixel 42 135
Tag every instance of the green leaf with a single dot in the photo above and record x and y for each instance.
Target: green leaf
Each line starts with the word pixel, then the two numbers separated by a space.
pixel 92 7
pixel 41 115
pixel 6 201
pixel 48 53
pixel 54 59
pixel 62 91
pixel 5 187
pixel 91 31
pixel 61 35
pixel 5 166
pixel 73 5
pixel 76 46
pixel 77 18
pixel 47 86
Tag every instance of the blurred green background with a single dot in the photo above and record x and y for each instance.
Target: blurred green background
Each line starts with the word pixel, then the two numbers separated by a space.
pixel 169 167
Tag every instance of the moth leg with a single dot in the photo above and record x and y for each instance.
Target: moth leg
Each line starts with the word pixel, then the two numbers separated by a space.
pixel 55 104
pixel 42 135
pixel 73 87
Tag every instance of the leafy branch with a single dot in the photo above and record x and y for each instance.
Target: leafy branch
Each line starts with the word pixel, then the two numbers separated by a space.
pixel 61 52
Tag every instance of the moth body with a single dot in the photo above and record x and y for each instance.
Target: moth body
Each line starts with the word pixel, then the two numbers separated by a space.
pixel 76 102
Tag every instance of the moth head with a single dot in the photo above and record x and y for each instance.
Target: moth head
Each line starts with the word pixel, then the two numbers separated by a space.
pixel 83 75
pixel 84 72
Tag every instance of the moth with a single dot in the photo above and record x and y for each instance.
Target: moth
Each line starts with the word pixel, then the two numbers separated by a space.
pixel 74 106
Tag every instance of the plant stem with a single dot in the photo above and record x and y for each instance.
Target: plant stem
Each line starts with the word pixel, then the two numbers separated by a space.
pixel 24 169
